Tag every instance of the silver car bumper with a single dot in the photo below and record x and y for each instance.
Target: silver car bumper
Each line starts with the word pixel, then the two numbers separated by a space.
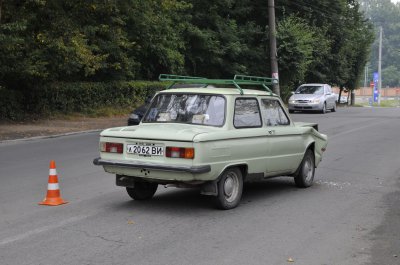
pixel 306 106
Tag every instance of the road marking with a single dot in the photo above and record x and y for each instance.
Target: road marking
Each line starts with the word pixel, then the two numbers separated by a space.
pixel 39 230
pixel 354 130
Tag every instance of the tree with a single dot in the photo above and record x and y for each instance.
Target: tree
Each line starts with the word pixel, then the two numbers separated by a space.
pixel 157 27
pixel 386 14
pixel 341 40
pixel 96 40
pixel 296 42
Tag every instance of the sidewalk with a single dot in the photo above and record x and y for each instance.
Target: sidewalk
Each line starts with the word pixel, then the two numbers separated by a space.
pixel 20 130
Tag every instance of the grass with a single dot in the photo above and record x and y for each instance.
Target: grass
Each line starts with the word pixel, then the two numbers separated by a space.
pixel 94 113
pixel 384 104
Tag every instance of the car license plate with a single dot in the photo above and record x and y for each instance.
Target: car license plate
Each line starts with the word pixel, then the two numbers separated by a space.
pixel 145 149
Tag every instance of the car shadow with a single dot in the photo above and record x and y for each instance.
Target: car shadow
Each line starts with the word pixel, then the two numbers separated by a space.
pixel 311 112
pixel 179 201
pixel 266 189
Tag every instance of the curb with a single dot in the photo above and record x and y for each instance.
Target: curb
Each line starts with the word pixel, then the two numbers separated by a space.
pixel 47 136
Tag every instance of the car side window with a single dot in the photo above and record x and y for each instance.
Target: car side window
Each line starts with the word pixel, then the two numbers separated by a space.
pixel 273 113
pixel 328 90
pixel 247 113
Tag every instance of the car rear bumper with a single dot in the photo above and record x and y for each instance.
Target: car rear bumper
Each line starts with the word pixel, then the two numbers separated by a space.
pixel 140 165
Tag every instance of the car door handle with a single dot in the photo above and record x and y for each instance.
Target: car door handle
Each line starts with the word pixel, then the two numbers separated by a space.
pixel 271 132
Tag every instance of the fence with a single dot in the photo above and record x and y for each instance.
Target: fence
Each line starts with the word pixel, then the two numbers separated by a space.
pixel 367 92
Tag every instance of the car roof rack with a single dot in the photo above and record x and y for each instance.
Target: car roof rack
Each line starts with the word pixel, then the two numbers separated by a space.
pixel 237 81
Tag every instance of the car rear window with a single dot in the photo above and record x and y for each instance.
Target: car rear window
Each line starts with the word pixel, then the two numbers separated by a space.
pixel 187 108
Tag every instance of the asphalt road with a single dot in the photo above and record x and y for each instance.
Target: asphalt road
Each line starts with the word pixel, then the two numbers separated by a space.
pixel 350 216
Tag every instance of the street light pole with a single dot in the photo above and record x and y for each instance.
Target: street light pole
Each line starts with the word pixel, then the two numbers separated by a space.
pixel 272 45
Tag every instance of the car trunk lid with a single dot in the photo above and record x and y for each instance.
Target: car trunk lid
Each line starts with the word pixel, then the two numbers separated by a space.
pixel 168 132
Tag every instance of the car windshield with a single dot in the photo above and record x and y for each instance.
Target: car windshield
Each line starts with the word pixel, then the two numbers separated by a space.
pixel 187 108
pixel 317 90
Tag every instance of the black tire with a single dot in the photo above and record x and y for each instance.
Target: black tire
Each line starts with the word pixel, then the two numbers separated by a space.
pixel 291 111
pixel 323 111
pixel 142 190
pixel 230 188
pixel 304 176
pixel 334 108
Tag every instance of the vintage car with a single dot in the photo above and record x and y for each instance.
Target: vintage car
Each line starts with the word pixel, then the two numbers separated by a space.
pixel 215 137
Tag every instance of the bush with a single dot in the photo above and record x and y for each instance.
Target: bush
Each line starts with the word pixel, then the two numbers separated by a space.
pixel 81 97
pixel 11 107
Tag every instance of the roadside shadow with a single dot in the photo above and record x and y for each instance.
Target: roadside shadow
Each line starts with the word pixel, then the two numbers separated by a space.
pixel 385 237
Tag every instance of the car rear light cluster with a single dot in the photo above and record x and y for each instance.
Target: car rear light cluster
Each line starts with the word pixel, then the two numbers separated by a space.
pixel 180 152
pixel 112 147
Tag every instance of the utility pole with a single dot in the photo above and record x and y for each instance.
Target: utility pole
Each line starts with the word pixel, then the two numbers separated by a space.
pixel 366 75
pixel 380 67
pixel 272 45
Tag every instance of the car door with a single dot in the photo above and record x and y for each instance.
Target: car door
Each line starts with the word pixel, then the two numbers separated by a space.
pixel 251 145
pixel 285 140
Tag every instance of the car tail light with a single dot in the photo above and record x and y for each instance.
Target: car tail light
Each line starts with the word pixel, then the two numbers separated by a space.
pixel 111 147
pixel 180 152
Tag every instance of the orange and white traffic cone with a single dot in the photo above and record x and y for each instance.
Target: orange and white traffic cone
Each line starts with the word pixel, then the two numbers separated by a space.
pixel 53 197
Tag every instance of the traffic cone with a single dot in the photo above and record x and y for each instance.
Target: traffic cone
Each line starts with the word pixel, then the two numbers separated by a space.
pixel 53 197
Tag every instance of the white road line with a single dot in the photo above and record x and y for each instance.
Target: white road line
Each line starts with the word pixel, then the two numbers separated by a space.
pixel 354 130
pixel 39 230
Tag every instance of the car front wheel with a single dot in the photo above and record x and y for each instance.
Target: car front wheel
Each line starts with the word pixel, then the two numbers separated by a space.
pixel 304 176
pixel 323 108
pixel 230 188
pixel 142 190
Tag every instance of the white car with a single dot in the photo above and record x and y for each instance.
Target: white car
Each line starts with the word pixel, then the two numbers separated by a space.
pixel 313 97
pixel 343 99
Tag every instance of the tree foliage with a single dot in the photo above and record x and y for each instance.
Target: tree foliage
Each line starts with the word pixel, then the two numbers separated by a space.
pixel 45 41
pixel 385 14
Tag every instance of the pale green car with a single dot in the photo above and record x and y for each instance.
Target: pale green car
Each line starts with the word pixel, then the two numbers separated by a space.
pixel 211 138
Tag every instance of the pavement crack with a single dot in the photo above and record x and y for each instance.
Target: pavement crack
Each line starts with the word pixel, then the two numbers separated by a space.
pixel 87 234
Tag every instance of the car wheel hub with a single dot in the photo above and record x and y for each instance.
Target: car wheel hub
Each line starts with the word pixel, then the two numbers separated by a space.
pixel 231 187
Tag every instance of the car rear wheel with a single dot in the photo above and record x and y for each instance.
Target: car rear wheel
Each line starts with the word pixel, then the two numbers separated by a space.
pixel 230 188
pixel 142 190
pixel 291 111
pixel 304 176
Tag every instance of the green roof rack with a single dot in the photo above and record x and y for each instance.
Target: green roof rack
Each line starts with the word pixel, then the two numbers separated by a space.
pixel 237 81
